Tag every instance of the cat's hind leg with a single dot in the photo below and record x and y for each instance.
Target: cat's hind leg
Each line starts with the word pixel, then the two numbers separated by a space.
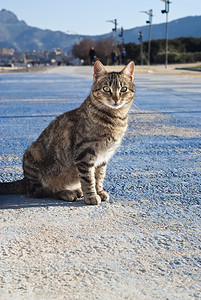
pixel 79 193
pixel 65 195
pixel 36 190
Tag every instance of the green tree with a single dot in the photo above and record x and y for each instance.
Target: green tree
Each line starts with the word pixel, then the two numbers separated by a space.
pixel 133 52
pixel 81 50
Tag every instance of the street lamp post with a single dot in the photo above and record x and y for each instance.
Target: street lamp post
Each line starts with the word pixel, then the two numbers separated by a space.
pixel 121 35
pixel 115 31
pixel 141 51
pixel 150 14
pixel 115 26
pixel 166 11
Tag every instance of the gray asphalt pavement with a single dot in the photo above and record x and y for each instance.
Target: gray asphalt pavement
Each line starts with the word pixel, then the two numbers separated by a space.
pixel 144 243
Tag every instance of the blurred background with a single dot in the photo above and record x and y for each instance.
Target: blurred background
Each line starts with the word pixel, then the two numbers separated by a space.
pixel 115 32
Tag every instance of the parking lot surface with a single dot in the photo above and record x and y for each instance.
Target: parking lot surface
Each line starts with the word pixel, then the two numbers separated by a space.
pixel 145 242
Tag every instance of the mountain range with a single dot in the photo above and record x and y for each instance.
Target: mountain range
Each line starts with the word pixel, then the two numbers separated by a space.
pixel 22 37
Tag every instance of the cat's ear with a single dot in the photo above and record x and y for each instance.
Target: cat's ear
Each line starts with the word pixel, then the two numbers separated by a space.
pixel 99 70
pixel 129 70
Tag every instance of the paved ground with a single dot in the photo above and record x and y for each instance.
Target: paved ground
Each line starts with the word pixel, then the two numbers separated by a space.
pixel 144 243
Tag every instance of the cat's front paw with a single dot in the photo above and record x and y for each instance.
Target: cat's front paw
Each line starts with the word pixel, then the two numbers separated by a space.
pixel 104 195
pixel 94 200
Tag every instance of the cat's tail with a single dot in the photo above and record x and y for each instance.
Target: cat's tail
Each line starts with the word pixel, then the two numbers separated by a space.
pixel 15 187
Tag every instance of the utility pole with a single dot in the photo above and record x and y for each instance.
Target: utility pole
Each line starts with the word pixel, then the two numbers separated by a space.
pixel 121 35
pixel 166 11
pixel 115 31
pixel 141 50
pixel 150 14
pixel 115 24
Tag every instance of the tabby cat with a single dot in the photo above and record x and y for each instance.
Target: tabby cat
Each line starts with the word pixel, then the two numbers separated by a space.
pixel 69 158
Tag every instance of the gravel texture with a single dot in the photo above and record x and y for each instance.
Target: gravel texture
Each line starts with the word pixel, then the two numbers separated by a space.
pixel 145 242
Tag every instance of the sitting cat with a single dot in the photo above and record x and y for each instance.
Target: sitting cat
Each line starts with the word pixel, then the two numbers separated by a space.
pixel 70 156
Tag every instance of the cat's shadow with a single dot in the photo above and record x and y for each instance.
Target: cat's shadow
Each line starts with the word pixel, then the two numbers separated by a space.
pixel 21 201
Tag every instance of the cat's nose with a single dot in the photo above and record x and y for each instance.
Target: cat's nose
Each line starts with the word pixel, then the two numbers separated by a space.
pixel 115 97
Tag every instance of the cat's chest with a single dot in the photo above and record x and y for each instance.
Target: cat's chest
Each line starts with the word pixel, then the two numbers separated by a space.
pixel 106 151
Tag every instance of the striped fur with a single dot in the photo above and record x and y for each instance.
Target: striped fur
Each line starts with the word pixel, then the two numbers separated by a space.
pixel 70 157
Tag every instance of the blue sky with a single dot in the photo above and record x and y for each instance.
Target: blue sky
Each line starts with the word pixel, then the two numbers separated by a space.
pixel 90 16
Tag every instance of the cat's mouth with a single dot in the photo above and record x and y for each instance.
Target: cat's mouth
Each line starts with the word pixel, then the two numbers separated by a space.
pixel 116 101
pixel 116 105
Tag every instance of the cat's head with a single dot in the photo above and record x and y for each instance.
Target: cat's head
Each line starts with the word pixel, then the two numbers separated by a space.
pixel 113 89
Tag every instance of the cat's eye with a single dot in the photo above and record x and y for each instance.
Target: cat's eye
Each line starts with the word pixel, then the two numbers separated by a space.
pixel 123 89
pixel 106 89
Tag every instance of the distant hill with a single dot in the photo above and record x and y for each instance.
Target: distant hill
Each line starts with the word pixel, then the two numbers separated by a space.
pixel 20 36
pixel 184 27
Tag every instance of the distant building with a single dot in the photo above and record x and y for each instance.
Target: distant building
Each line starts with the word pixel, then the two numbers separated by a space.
pixel 33 57
pixel 7 51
